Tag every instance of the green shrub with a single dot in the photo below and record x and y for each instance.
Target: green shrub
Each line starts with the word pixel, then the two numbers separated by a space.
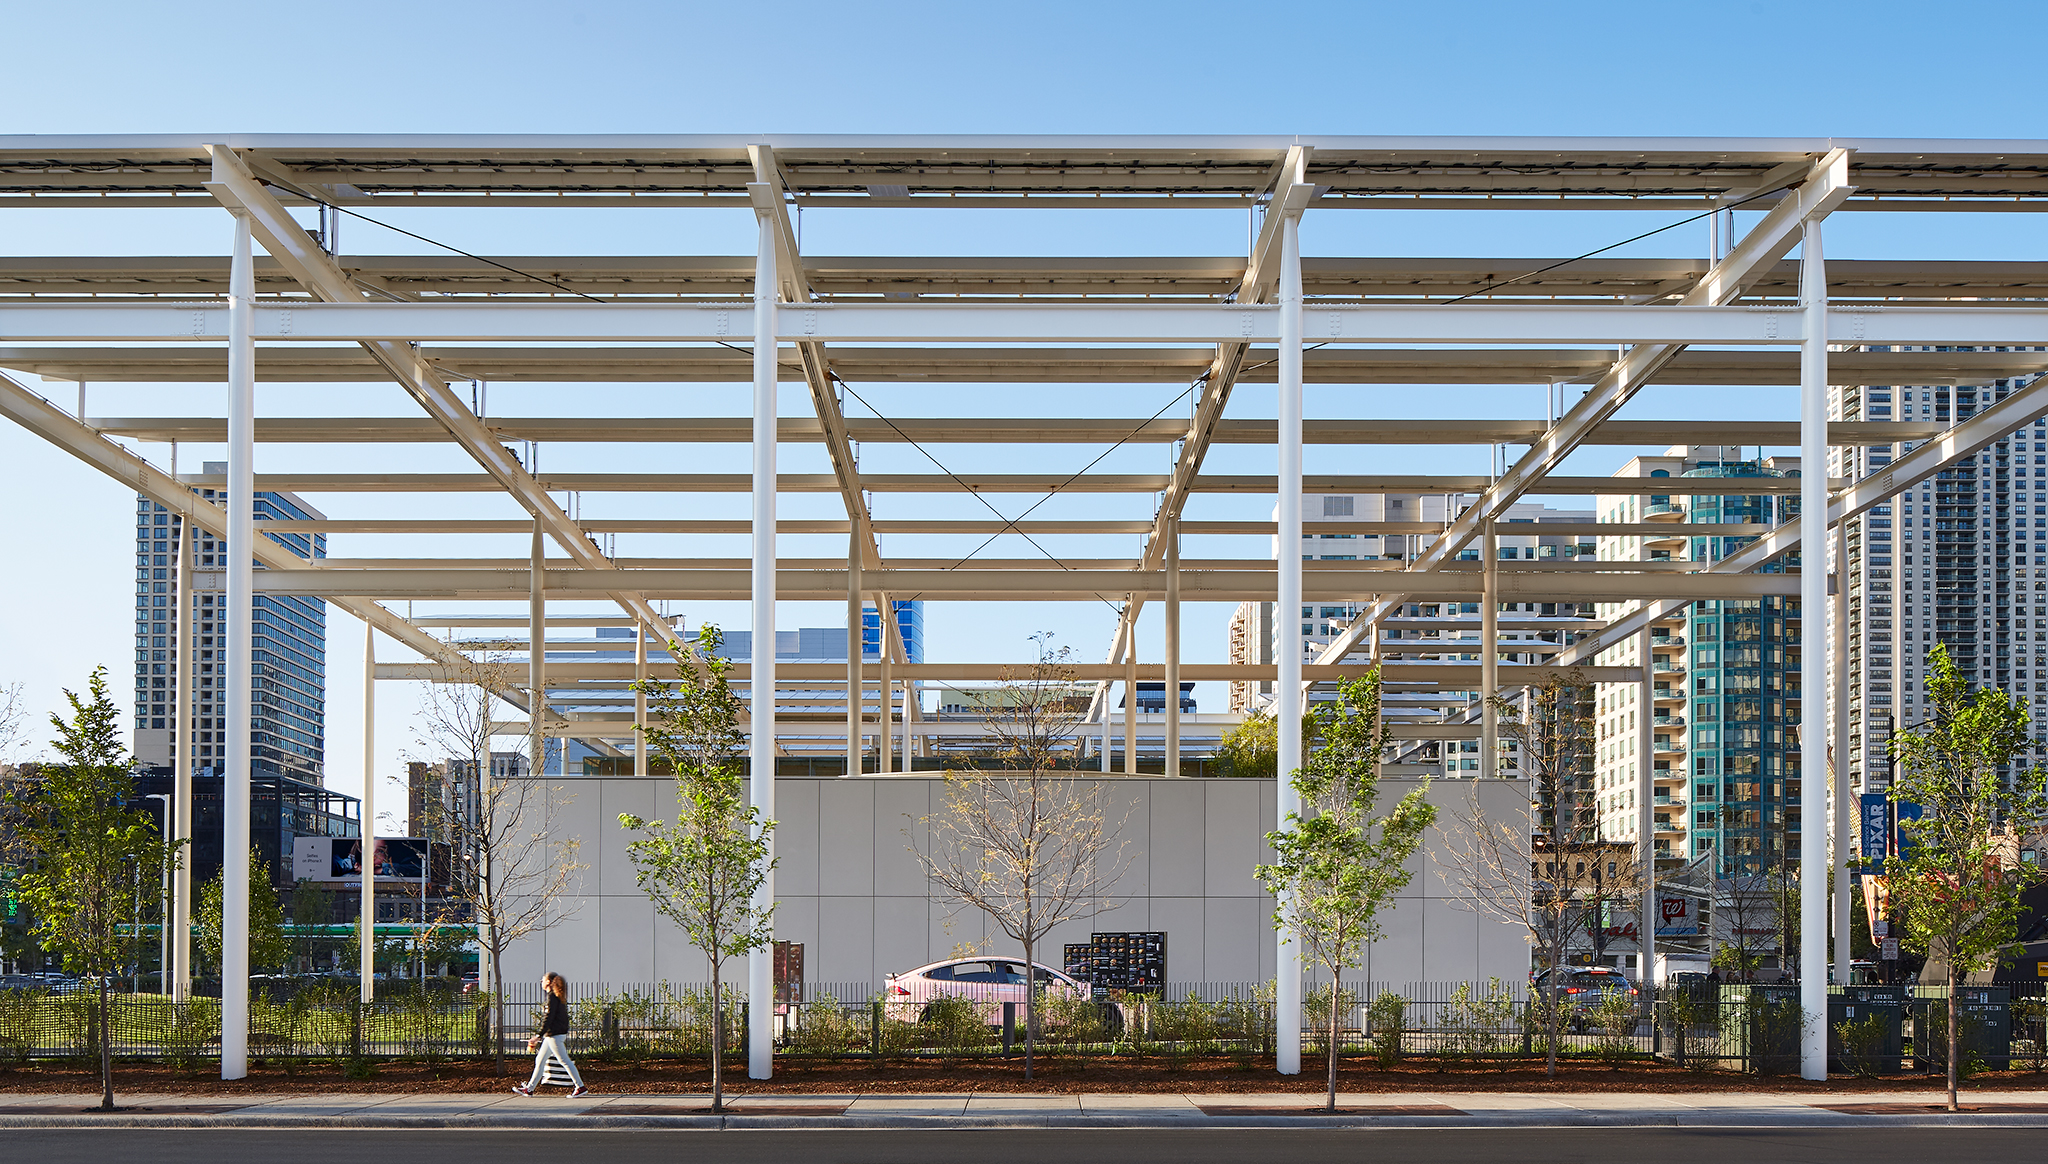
pixel 1616 1017
pixel 1685 1012
pixel 1775 1030
pixel 1474 1026
pixel 1315 1012
pixel 2030 1032
pixel 823 1027
pixel 1072 1021
pixel 1385 1021
pixel 1862 1044
pixel 1930 1040
pixel 19 1011
pixel 955 1025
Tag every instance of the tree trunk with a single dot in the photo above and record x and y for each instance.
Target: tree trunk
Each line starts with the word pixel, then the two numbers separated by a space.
pixel 1550 1014
pixel 1954 1041
pixel 107 1058
pixel 1030 1008
pixel 1336 992
pixel 498 1004
pixel 717 1041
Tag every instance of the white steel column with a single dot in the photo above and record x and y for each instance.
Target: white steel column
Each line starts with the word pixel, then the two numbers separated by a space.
pixel 537 652
pixel 368 863
pixel 1845 814
pixel 640 699
pixel 1131 699
pixel 180 985
pixel 238 626
pixel 886 738
pixel 1489 655
pixel 1287 615
pixel 854 678
pixel 1173 646
pixel 1814 649
pixel 761 698
pixel 1651 915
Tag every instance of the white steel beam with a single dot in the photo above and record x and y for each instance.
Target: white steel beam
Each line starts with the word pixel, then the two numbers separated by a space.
pixel 829 585
pixel 1006 430
pixel 832 676
pixel 975 482
pixel 1825 187
pixel 1029 323
pixel 64 431
pixel 2017 410
pixel 236 188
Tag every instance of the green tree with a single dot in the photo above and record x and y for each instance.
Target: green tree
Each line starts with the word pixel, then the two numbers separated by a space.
pixel 1335 867
pixel 84 848
pixel 312 908
pixel 1958 887
pixel 1252 748
pixel 702 872
pixel 270 942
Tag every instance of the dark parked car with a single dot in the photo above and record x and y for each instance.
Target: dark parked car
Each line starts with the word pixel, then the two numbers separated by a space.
pixel 1582 989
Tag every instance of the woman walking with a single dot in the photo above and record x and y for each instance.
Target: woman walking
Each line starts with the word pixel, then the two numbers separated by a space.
pixel 552 1039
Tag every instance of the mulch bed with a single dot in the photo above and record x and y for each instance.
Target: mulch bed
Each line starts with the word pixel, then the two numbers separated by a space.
pixel 1052 1076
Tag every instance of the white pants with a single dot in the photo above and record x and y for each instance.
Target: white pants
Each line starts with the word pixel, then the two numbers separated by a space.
pixel 557 1046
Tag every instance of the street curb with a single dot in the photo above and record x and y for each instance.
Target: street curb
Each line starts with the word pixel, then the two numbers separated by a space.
pixel 1191 1122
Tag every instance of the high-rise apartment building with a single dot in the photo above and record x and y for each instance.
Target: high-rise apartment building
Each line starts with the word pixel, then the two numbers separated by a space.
pixel 289 709
pixel 1255 630
pixel 1960 560
pixel 1725 699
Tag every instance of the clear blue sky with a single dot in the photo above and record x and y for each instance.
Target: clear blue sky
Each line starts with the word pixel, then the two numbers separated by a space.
pixel 1626 69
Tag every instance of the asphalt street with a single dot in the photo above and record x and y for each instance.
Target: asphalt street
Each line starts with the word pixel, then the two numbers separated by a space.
pixel 1863 1145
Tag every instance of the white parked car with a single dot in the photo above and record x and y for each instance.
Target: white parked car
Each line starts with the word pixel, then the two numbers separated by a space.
pixel 990 981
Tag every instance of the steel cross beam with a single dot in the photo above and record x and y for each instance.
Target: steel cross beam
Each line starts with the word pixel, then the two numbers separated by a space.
pixel 1291 192
pixel 235 187
pixel 1823 187
pixel 2016 411
pixel 51 423
pixel 769 191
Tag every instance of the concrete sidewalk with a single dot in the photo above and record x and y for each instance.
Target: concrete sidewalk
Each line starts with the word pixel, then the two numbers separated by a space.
pixel 989 1110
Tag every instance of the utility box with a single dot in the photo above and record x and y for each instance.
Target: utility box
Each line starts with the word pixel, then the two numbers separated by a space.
pixel 1762 1018
pixel 1984 1014
pixel 1859 1004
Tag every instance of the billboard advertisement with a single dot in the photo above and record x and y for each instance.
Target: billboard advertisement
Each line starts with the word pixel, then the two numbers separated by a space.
pixel 342 858
pixel 1678 917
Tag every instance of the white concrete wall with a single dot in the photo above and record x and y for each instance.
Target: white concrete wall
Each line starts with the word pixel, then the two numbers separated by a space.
pixel 851 892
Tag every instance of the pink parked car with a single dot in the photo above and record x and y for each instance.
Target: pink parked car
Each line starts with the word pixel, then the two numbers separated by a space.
pixel 992 981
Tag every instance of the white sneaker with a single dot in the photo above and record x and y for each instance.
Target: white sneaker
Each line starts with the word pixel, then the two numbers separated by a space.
pixel 579 1093
pixel 521 1089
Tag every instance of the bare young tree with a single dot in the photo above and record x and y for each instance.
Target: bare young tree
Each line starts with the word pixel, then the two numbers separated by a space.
pixel 13 719
pixel 1546 871
pixel 511 866
pixel 1031 844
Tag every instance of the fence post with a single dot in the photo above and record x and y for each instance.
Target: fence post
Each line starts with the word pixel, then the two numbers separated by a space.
pixel 1009 1027
pixel 875 1030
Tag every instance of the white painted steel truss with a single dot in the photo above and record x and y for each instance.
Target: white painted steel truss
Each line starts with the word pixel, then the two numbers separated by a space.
pixel 1599 330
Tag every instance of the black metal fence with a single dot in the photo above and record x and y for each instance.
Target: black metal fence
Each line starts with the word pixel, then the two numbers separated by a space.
pixel 1755 1028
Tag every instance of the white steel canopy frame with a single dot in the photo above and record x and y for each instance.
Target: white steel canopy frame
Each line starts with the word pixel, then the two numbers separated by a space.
pixel 1613 328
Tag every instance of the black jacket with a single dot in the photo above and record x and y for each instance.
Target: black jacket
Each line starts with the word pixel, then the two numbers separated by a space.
pixel 557 1020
